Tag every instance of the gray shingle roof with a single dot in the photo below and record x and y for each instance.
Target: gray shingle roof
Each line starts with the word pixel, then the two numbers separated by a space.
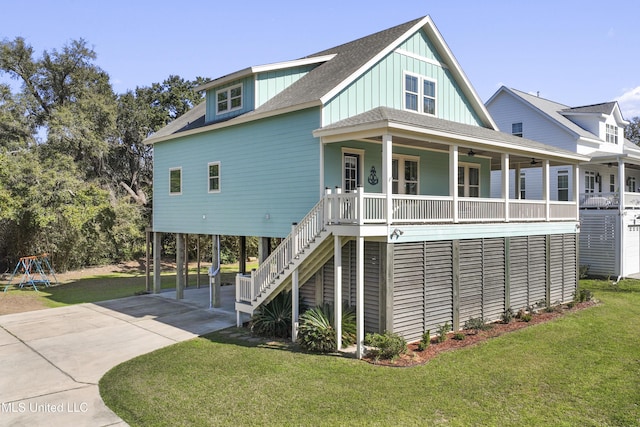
pixel 382 114
pixel 603 108
pixel 553 111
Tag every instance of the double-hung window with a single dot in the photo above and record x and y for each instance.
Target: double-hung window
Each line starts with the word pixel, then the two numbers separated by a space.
pixel 563 185
pixel 175 181
pixel 419 94
pixel 612 134
pixel 229 99
pixel 516 129
pixel 631 184
pixel 612 183
pixel 523 186
pixel 214 177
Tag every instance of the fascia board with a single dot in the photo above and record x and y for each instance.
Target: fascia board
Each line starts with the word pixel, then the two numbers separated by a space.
pixel 233 122
pixel 262 69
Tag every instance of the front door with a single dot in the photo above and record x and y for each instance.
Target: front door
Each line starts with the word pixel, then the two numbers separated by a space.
pixel 351 171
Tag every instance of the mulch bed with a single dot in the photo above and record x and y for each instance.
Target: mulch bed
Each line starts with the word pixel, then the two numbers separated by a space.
pixel 414 357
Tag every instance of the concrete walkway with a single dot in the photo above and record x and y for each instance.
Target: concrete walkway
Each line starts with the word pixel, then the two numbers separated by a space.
pixel 51 360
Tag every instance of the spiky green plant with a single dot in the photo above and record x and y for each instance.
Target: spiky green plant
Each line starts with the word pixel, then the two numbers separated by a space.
pixel 317 330
pixel 274 318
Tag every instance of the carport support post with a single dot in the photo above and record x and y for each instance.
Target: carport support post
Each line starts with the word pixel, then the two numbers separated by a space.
pixel 295 309
pixel 359 297
pixel 215 263
pixel 147 260
pixel 186 260
pixel 337 280
pixel 157 262
pixel 179 266
pixel 242 262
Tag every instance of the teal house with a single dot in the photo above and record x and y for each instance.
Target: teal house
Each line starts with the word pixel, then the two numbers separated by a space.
pixel 371 162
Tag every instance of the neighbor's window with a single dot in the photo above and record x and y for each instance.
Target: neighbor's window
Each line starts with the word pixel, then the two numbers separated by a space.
pixel 523 185
pixel 419 94
pixel 214 177
pixel 612 134
pixel 229 99
pixel 612 183
pixel 516 129
pixel 175 181
pixel 631 184
pixel 563 186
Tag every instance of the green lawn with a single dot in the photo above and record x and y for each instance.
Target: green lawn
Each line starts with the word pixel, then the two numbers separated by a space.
pixel 111 286
pixel 580 370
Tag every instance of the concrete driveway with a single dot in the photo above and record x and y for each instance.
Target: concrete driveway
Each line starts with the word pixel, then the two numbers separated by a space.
pixel 51 360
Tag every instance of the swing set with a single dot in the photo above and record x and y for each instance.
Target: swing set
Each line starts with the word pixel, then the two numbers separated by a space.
pixel 33 271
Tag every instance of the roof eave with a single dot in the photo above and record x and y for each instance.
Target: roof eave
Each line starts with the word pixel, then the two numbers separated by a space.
pixel 245 118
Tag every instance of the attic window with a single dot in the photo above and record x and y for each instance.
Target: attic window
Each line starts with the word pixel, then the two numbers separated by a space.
pixel 516 129
pixel 229 99
pixel 612 134
pixel 419 94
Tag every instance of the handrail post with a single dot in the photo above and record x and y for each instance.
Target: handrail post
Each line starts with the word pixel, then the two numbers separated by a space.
pixel 294 241
pixel 327 206
pixel 337 206
pixel 360 205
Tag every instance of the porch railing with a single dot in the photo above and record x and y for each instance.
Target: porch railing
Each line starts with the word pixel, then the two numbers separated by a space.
pixel 609 200
pixel 249 287
pixel 369 208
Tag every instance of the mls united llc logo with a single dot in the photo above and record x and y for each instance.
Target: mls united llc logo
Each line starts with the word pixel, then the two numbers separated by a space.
pixel 38 407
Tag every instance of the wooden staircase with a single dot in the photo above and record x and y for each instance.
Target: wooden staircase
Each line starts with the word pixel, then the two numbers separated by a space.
pixel 306 249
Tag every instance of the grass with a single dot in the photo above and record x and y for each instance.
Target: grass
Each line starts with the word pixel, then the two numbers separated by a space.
pixel 111 286
pixel 583 369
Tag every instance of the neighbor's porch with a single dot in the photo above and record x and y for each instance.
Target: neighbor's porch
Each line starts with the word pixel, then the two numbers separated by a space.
pixel 611 183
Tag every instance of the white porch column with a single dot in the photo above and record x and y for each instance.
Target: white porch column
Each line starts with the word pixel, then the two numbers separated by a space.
pixel 576 189
pixel 505 185
pixel 179 266
pixel 295 309
pixel 623 184
pixel 517 182
pixel 337 289
pixel 387 177
pixel 157 262
pixel 545 189
pixel 453 180
pixel 359 297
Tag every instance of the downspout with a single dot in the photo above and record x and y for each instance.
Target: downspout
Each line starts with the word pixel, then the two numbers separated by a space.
pixel 214 272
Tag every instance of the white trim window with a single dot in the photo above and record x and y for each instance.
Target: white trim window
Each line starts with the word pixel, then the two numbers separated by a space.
pixel 612 133
pixel 419 94
pixel 405 171
pixel 175 181
pixel 563 186
pixel 589 182
pixel 214 177
pixel 612 183
pixel 516 129
pixel 468 180
pixel 229 99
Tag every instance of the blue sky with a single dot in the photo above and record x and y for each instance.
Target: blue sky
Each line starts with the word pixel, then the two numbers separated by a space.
pixel 573 52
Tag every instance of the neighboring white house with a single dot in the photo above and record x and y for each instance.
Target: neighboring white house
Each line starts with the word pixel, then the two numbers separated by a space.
pixel 609 183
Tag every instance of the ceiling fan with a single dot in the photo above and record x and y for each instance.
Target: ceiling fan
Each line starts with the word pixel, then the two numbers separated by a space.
pixel 534 162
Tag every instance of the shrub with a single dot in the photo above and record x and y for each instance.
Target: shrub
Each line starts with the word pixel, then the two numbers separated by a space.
pixel 443 330
pixel 387 345
pixel 476 324
pixel 584 295
pixel 507 316
pixel 425 341
pixel 458 336
pixel 317 329
pixel 274 318
pixel 526 317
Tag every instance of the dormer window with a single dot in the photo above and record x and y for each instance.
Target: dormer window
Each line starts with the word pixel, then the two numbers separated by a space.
pixel 419 94
pixel 229 99
pixel 612 134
